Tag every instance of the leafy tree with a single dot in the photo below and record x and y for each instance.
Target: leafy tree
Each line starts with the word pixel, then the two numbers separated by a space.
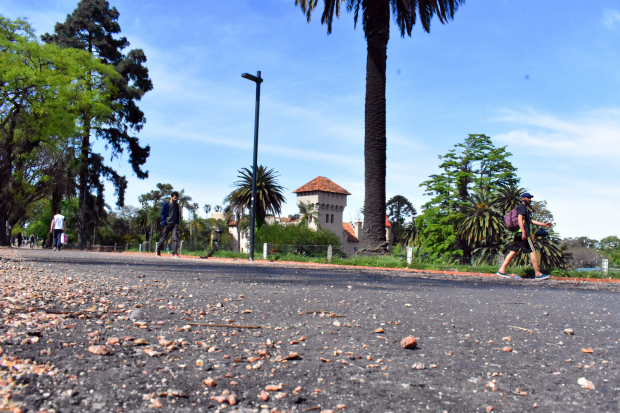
pixel 437 233
pixel 376 25
pixel 152 202
pixel 541 212
pixel 401 214
pixel 42 90
pixel 610 247
pixel 583 242
pixel 269 197
pixel 474 164
pixel 207 209
pixel 91 27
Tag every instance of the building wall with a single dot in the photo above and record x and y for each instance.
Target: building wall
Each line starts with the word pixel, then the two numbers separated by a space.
pixel 328 205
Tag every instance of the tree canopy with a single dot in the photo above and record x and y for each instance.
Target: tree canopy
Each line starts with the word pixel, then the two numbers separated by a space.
pixel 43 89
pixel 92 27
pixel 474 164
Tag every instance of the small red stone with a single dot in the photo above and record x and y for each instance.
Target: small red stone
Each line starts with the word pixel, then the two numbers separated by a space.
pixel 408 342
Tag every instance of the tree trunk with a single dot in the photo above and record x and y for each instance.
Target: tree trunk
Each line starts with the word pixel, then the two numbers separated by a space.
pixel 5 239
pixel 378 34
pixel 83 173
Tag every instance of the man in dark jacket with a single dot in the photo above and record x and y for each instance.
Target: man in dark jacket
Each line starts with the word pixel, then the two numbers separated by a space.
pixel 170 224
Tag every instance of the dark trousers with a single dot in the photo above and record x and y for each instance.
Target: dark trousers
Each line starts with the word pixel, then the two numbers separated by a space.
pixel 165 233
pixel 56 240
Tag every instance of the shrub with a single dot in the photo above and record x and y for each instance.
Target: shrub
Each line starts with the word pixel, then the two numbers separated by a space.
pixel 295 235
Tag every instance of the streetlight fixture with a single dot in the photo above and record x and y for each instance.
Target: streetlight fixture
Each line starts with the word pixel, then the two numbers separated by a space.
pixel 258 80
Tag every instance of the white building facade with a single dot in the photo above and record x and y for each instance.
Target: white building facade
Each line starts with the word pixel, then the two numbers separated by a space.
pixel 329 200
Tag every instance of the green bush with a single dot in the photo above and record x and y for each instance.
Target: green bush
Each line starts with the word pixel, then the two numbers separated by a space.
pixel 295 235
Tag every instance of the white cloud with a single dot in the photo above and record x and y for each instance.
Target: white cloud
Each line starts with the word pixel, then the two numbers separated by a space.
pixel 611 18
pixel 591 134
pixel 569 161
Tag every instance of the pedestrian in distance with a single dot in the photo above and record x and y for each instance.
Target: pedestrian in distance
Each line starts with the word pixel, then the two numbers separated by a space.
pixel 522 241
pixel 19 239
pixel 57 228
pixel 170 224
pixel 32 241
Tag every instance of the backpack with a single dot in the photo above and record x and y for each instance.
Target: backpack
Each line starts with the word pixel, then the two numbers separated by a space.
pixel 512 220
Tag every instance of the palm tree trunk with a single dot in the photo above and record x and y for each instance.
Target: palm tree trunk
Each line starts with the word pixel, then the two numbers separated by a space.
pixel 377 33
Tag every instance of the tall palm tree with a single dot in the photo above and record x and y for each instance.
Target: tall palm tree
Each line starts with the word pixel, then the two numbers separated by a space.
pixel 269 198
pixel 376 25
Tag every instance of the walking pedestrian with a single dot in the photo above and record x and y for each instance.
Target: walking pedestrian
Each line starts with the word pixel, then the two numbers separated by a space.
pixel 522 241
pixel 170 224
pixel 57 227
pixel 19 239
pixel 31 241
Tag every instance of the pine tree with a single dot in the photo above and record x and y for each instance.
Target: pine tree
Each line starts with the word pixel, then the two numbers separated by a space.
pixel 92 27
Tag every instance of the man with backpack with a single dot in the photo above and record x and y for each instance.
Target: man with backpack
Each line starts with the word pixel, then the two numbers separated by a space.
pixel 31 241
pixel 522 241
pixel 170 224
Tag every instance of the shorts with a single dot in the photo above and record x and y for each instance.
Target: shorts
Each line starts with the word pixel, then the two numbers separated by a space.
pixel 520 244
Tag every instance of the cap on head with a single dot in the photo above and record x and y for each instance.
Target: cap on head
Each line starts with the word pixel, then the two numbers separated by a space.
pixel 527 195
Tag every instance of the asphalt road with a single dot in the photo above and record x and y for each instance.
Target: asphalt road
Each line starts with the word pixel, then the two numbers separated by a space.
pixel 484 344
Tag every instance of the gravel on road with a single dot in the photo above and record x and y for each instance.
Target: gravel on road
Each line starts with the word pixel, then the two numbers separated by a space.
pixel 111 332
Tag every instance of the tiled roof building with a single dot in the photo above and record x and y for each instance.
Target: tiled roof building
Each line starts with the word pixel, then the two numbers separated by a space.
pixel 320 183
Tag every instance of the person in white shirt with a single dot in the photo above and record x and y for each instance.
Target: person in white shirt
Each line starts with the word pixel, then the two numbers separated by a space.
pixel 56 229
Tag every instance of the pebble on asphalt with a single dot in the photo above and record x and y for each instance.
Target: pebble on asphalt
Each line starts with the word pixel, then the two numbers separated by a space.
pixel 408 342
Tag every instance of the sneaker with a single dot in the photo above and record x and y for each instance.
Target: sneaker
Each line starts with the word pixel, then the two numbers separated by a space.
pixel 511 276
pixel 158 254
pixel 541 277
pixel 175 255
pixel 55 248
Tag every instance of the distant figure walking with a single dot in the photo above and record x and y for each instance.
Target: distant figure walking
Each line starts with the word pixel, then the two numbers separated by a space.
pixel 31 241
pixel 522 241
pixel 170 224
pixel 57 227
pixel 19 239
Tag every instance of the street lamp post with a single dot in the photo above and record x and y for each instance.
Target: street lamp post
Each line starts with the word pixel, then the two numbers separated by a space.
pixel 258 80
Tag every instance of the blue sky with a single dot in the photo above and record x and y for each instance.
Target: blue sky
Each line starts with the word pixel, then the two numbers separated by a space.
pixel 541 79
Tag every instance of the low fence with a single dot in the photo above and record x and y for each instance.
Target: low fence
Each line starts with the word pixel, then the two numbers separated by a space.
pixel 314 251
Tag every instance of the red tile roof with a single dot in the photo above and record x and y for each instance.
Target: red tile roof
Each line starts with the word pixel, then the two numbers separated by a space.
pixel 350 232
pixel 320 183
pixel 232 224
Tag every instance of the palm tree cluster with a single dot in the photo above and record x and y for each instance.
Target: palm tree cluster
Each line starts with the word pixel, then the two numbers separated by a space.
pixel 483 229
